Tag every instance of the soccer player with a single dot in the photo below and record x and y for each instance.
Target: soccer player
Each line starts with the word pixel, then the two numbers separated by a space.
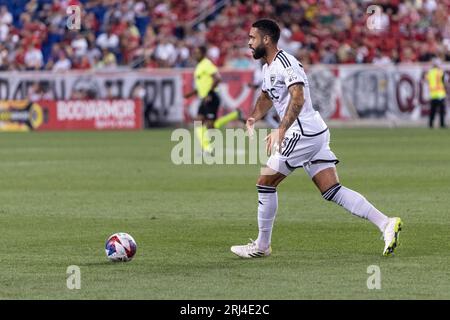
pixel 207 79
pixel 301 140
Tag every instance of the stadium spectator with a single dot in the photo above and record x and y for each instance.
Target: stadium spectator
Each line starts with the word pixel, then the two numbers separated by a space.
pixel 382 59
pixel 328 55
pixel 90 22
pixel 3 57
pixel 183 53
pixel 93 53
pixel 54 55
pixel 79 45
pixel 63 63
pixel 157 33
pixel 108 40
pixel 81 63
pixel 165 52
pixel 129 42
pixel 33 58
pixel 18 58
pixel 5 16
pixel 238 59
pixel 4 32
pixel 214 54
pixel 108 60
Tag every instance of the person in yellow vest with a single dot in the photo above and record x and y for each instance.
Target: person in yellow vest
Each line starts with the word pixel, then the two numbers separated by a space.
pixel 207 78
pixel 436 86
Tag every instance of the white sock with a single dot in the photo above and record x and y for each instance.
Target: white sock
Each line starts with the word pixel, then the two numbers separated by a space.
pixel 356 204
pixel 267 209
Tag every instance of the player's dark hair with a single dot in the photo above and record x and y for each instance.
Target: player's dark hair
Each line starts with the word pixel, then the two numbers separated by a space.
pixel 268 27
pixel 203 50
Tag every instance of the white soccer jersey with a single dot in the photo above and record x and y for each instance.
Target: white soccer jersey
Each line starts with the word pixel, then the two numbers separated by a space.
pixel 284 71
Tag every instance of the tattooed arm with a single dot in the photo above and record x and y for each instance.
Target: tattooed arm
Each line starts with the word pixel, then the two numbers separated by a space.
pixel 292 111
pixel 294 107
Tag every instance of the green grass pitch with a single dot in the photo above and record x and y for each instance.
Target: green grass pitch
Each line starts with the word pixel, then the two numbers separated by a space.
pixel 63 194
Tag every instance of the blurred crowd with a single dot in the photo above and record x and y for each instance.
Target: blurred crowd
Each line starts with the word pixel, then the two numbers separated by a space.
pixel 341 31
pixel 160 34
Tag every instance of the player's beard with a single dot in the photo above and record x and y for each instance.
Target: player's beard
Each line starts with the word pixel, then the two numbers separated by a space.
pixel 259 52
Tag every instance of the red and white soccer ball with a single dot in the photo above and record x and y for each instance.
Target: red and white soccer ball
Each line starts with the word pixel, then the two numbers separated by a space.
pixel 120 247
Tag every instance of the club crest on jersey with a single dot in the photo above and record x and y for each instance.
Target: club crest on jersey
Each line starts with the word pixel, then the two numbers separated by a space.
pixel 272 79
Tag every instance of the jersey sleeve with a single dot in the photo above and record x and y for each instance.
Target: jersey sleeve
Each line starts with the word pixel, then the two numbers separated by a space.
pixel 293 73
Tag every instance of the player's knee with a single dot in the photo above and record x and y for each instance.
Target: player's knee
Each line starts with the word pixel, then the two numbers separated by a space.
pixel 264 180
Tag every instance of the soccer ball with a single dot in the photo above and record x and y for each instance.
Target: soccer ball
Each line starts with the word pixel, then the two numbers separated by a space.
pixel 120 247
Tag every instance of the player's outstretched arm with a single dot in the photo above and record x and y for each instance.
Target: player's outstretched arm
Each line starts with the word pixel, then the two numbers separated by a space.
pixel 262 106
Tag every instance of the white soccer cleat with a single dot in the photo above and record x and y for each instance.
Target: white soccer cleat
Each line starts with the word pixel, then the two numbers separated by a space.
pixel 391 235
pixel 250 251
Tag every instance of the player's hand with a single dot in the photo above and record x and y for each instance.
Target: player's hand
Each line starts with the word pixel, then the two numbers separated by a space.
pixel 250 124
pixel 281 134
pixel 271 142
pixel 274 141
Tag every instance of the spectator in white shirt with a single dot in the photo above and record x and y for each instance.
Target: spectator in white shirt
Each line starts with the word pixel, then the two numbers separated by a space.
pixel 4 32
pixel 79 45
pixel 33 58
pixel 381 59
pixel 5 16
pixel 108 40
pixel 63 63
pixel 166 52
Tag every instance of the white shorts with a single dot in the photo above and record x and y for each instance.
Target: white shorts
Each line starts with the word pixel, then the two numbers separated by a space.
pixel 311 153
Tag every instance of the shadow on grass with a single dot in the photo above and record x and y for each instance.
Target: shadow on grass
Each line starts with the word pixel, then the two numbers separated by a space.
pixel 98 263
